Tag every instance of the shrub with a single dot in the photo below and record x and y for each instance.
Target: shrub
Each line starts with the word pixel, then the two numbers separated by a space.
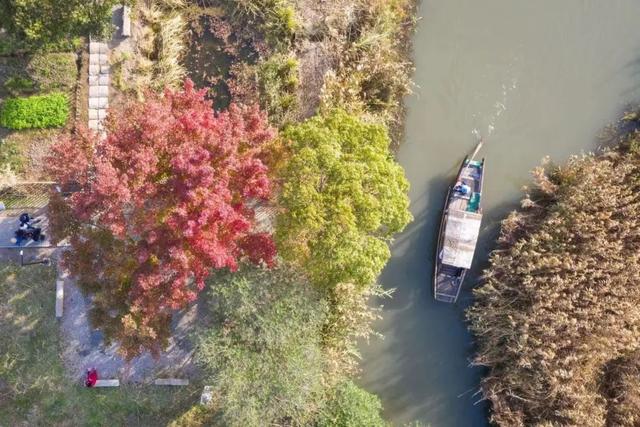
pixel 263 351
pixel 277 81
pixel 373 73
pixel 352 406
pixel 276 19
pixel 10 44
pixel 35 112
pixel 11 155
pixel 54 25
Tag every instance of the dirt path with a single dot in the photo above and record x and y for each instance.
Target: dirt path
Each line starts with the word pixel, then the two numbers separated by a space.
pixel 85 347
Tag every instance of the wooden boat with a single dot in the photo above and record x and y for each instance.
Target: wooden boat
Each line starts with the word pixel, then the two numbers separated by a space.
pixel 459 229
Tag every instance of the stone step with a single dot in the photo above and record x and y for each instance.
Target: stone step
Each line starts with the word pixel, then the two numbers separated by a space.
pixel 99 59
pixel 98 47
pixel 126 21
pixel 59 298
pixel 98 102
pixel 107 383
pixel 99 79
pixel 171 381
pixel 98 91
pixel 96 69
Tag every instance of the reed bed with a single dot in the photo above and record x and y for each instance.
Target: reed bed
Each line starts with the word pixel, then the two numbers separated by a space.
pixel 560 301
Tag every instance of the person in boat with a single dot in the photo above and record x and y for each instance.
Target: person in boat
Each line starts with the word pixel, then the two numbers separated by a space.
pixel 462 188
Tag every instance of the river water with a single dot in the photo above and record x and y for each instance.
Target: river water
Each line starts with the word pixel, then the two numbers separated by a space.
pixel 535 78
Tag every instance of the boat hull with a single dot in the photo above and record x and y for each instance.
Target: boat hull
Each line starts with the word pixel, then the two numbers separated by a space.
pixel 448 277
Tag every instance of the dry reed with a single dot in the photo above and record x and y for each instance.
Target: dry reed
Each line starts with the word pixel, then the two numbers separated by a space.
pixel 561 299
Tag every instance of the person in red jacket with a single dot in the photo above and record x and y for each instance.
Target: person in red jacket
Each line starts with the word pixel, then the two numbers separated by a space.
pixel 92 377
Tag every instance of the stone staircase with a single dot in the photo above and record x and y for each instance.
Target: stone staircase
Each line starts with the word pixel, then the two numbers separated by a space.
pixel 98 84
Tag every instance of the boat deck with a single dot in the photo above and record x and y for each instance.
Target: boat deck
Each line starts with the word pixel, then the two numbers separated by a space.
pixel 448 282
pixel 471 175
pixel 449 278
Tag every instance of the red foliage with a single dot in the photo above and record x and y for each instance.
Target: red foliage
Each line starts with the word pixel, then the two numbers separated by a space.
pixel 171 184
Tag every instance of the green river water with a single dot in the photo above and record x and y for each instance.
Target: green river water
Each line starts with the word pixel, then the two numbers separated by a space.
pixel 535 78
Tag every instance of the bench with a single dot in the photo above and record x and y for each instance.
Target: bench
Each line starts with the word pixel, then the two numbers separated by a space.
pixel 59 297
pixel 171 381
pixel 107 383
pixel 126 21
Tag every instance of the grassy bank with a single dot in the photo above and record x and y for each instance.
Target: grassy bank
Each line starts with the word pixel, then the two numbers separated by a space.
pixel 33 387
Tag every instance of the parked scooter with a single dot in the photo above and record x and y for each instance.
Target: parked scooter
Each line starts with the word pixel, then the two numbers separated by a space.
pixel 27 231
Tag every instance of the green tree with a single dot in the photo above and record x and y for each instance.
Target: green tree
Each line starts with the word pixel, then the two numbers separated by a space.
pixel 344 197
pixel 352 406
pixel 263 351
pixel 49 24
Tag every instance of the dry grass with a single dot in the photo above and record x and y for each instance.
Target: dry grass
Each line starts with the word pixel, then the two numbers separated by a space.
pixel 160 47
pixel 169 71
pixel 357 49
pixel 560 300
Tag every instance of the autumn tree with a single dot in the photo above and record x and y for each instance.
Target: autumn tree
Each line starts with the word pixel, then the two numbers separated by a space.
pixel 343 198
pixel 559 303
pixel 164 198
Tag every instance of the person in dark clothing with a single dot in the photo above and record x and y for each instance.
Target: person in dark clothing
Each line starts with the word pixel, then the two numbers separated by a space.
pixel 27 231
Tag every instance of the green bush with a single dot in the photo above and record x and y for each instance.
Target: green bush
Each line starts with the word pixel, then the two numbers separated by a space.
pixel 10 44
pixel 262 354
pixel 280 24
pixel 278 81
pixel 352 406
pixel 35 112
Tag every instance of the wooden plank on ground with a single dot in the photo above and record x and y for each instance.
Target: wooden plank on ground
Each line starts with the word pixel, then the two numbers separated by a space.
pixel 171 381
pixel 59 297
pixel 107 383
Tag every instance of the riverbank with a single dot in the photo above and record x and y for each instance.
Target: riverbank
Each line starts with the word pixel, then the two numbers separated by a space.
pixel 330 80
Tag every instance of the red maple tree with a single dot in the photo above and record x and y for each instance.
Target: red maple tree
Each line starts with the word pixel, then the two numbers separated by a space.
pixel 164 198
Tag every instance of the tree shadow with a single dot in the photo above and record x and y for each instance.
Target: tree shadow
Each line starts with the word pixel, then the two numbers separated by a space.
pixel 422 367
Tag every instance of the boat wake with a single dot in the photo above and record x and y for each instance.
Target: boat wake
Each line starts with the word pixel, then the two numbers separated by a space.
pixel 500 107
